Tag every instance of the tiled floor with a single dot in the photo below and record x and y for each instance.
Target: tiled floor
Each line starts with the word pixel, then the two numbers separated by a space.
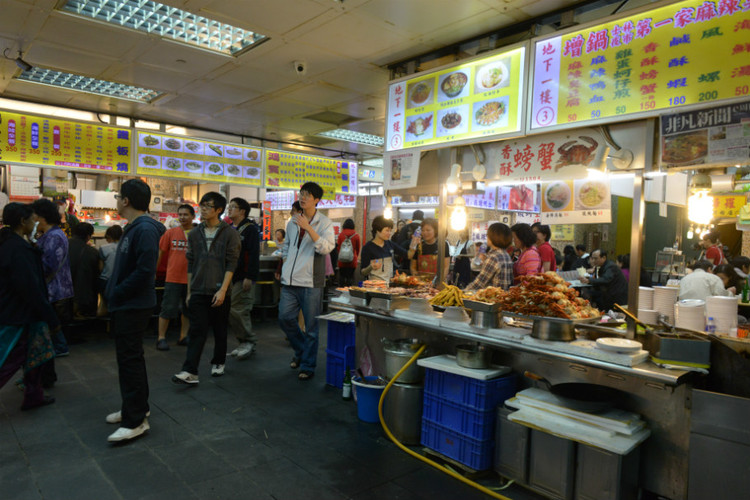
pixel 256 433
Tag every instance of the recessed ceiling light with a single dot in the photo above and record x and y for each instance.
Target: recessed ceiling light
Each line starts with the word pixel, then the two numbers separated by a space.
pixel 373 162
pixel 80 83
pixel 352 136
pixel 167 22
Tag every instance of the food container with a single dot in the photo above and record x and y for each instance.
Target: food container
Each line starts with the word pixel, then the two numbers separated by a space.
pixel 545 329
pixel 472 356
pixel 484 315
pixel 397 354
pixel 358 297
pixel 387 301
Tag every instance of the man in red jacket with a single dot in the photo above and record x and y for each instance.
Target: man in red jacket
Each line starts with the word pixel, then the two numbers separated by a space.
pixel 348 247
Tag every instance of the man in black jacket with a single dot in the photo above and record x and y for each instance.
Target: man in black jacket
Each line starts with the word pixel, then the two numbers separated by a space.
pixel 244 278
pixel 131 300
pixel 610 285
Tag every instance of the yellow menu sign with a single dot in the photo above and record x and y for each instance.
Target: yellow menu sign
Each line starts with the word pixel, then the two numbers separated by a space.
pixel 287 170
pixel 49 142
pixel 477 99
pixel 688 52
pixel 181 157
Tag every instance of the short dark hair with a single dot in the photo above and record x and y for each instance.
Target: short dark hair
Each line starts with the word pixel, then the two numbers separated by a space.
pixel 114 232
pixel 216 198
pixel 417 215
pixel 138 194
pixel 702 264
pixel 313 188
pixel 47 210
pixel 379 223
pixel 569 250
pixel 581 247
pixel 524 233
pixel 602 252
pixel 15 213
pixel 348 224
pixel 83 231
pixel 624 260
pixel 741 261
pixel 544 229
pixel 499 234
pixel 712 236
pixel 242 204
pixel 187 206
pixel 283 233
pixel 296 206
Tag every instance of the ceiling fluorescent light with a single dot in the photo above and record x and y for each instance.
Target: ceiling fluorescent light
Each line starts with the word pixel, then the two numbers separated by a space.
pixel 373 162
pixel 80 83
pixel 167 22
pixel 352 136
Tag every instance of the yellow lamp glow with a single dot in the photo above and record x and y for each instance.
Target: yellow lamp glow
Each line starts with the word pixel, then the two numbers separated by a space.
pixel 458 215
pixel 701 208
pixel 388 211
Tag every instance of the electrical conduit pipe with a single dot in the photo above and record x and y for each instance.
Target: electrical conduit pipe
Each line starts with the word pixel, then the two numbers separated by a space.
pixel 426 460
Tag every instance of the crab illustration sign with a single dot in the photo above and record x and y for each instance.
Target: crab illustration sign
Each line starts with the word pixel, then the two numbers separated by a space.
pixel 544 158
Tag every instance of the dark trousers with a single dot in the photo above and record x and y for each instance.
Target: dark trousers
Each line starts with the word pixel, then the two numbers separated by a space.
pixel 202 316
pixel 128 329
pixel 32 379
pixel 346 275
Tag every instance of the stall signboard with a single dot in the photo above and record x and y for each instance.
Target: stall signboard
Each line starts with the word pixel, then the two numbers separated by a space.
pixel 288 170
pixel 281 200
pixel 52 142
pixel 433 201
pixel 401 169
pixel 486 200
pixel 266 218
pixel 519 198
pixel 187 158
pixel 478 100
pixel 728 205
pixel 583 201
pixel 528 218
pixel 685 53
pixel 340 201
pixel 562 232
pixel 719 135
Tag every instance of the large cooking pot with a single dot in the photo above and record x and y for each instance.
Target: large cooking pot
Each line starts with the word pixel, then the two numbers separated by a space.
pixel 589 398
pixel 397 354
pixel 550 329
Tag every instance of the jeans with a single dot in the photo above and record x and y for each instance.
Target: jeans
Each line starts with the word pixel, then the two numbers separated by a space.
pixel 128 329
pixel 240 322
pixel 310 302
pixel 202 316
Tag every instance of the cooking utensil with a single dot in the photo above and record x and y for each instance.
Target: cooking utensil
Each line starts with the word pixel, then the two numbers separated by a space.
pixel 561 331
pixel 631 316
pixel 472 356
pixel 589 398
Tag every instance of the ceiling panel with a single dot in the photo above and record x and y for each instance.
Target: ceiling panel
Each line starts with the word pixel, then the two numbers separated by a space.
pixel 365 79
pixel 153 77
pixel 13 16
pixel 52 55
pixel 279 108
pixel 369 107
pixel 175 56
pixel 302 126
pixel 88 36
pixel 219 92
pixel 193 104
pixel 263 15
pixel 421 16
pixel 258 79
pixel 324 95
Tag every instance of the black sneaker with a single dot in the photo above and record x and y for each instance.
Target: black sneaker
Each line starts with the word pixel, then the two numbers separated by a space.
pixel 162 345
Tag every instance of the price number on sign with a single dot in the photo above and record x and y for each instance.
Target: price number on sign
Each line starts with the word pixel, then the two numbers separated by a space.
pixel 572 117
pixel 676 101
pixel 708 96
pixel 55 152
pixel 596 113
pixel 620 110
pixel 744 90
pixel 648 105
pixel 11 149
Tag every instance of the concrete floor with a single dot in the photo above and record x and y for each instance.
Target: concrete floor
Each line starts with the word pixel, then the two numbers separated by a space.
pixel 255 433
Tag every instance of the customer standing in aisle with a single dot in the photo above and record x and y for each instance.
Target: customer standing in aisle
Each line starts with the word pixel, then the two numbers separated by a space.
pixel 84 269
pixel 172 249
pixel 244 278
pixel 543 234
pixel 213 250
pixel 107 254
pixel 309 239
pixel 497 269
pixel 529 262
pixel 131 299
pixel 348 247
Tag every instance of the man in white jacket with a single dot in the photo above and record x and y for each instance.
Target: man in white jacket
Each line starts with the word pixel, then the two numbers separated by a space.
pixel 309 239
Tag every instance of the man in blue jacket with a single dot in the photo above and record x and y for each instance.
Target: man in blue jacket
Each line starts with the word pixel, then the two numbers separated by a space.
pixel 131 299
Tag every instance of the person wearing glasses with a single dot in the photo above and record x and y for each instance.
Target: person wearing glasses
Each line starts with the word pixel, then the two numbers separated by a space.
pixel 213 251
pixel 131 299
pixel 309 239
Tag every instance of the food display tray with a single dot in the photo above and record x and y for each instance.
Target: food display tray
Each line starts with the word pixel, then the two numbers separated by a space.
pixel 360 294
pixel 529 317
pixel 382 295
pixel 481 306
pixel 388 305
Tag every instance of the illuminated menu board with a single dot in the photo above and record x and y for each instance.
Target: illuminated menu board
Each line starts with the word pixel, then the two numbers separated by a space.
pixel 479 99
pixel 287 170
pixel 51 142
pixel 686 53
pixel 186 158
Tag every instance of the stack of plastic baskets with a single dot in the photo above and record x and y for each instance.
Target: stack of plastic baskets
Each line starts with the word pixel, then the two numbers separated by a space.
pixel 459 410
pixel 340 351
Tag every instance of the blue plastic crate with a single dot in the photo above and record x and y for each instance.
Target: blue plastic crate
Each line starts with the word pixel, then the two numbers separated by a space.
pixel 476 424
pixel 477 394
pixel 340 336
pixel 336 363
pixel 473 453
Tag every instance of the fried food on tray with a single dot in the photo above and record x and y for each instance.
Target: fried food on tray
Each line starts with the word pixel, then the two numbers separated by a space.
pixel 449 296
pixel 491 295
pixel 406 281
pixel 547 294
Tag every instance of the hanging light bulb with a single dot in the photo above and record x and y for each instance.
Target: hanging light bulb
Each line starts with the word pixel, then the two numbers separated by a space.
pixel 701 208
pixel 690 233
pixel 388 212
pixel 458 215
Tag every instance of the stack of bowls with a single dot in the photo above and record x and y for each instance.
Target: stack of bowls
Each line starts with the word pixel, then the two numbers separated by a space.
pixel 664 300
pixel 691 314
pixel 648 316
pixel 724 312
pixel 646 311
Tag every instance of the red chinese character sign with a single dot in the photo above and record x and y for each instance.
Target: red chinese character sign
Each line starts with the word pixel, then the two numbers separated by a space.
pixel 583 201
pixel 479 100
pixel 686 53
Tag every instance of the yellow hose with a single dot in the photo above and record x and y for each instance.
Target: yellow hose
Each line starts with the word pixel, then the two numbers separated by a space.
pixel 417 455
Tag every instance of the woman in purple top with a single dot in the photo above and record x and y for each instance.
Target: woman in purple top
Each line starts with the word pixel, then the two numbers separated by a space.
pixel 54 246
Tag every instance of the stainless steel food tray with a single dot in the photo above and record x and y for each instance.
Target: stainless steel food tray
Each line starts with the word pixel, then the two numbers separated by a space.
pixel 529 317
pixel 481 306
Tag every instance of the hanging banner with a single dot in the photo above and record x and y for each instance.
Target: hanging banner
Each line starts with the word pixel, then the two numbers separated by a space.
pixel 485 200
pixel 283 200
pixel 480 99
pixel 180 157
pixel 689 52
pixel 583 201
pixel 290 170
pixel 401 169
pixel 519 198
pixel 528 218
pixel 728 205
pixel 52 142
pixel 713 136
pixel 266 221
pixel 562 232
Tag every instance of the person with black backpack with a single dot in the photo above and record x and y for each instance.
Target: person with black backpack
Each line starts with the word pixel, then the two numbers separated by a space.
pixel 348 247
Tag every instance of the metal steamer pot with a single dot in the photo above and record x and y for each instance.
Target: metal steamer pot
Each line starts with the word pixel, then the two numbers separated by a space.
pixel 397 354
pixel 472 356
pixel 549 329
pixel 589 398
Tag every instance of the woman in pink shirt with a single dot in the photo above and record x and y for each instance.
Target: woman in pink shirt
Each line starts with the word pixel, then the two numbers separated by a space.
pixel 530 262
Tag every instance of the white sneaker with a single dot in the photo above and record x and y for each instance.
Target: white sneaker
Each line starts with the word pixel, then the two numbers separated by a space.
pixel 244 350
pixel 124 434
pixel 185 378
pixel 217 370
pixel 235 352
pixel 116 417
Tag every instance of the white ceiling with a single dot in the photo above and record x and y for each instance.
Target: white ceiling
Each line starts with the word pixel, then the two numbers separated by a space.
pixel 346 47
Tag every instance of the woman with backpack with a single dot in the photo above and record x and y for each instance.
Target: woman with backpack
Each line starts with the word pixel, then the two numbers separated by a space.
pixel 347 249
